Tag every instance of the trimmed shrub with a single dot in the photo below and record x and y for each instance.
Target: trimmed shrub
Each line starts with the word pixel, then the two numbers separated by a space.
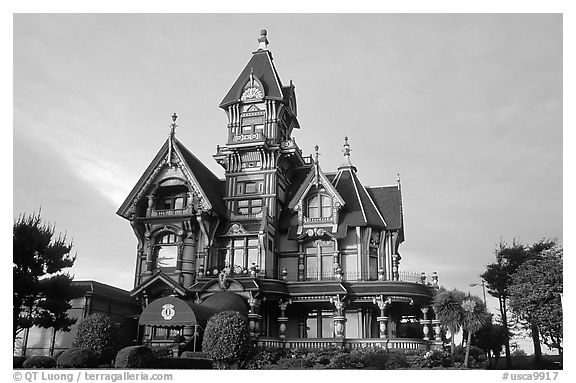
pixel 437 358
pixel 416 359
pixel 78 358
pixel 346 361
pixel 97 332
pixel 135 357
pixel 38 361
pixel 184 363
pixel 381 359
pixel 226 339
pixel 260 357
pixel 477 358
pixel 17 361
pixel 162 352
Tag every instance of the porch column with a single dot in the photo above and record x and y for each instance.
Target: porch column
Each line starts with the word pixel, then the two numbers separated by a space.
pixel 301 264
pixel 149 254
pixel 282 319
pixel 339 318
pixel 382 319
pixel 437 329
pixel 395 265
pixel 188 259
pixel 253 317
pixel 425 322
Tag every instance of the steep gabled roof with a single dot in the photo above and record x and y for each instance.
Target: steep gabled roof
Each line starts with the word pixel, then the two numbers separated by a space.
pixel 389 202
pixel 158 278
pixel 313 173
pixel 210 184
pixel 204 179
pixel 360 210
pixel 263 69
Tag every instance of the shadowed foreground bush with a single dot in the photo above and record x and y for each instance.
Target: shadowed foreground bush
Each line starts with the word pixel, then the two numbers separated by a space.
pixel 184 363
pixel 78 358
pixel 135 357
pixel 17 361
pixel 39 362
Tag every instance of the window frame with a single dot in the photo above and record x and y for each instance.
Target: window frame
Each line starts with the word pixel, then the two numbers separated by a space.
pixel 320 202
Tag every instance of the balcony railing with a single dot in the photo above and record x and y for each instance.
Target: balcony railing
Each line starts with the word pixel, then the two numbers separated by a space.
pixel 170 212
pixel 404 276
pixel 318 220
pixel 316 343
pixel 246 137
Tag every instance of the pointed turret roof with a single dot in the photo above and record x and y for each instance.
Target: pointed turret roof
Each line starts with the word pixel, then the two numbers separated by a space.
pixel 261 67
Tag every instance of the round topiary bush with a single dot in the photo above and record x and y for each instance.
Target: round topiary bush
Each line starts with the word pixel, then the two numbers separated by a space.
pixel 17 361
pixel 78 358
pixel 226 339
pixel 135 357
pixel 38 361
pixel 97 332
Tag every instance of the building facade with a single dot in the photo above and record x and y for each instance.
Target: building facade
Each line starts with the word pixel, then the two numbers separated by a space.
pixel 314 254
pixel 97 297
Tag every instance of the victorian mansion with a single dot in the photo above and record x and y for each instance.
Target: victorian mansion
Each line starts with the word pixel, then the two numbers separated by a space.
pixel 311 256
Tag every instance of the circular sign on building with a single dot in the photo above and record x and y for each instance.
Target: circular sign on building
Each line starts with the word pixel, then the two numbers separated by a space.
pixel 168 311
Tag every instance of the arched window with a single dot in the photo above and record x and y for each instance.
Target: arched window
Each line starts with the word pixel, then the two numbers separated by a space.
pixel 319 206
pixel 166 251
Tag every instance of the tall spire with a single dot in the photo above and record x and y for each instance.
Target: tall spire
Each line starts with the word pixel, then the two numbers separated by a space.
pixel 263 40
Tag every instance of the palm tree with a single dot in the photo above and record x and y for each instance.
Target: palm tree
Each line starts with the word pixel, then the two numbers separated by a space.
pixel 448 309
pixel 474 316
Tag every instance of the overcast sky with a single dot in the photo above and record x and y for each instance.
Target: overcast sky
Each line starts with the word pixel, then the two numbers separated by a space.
pixel 467 108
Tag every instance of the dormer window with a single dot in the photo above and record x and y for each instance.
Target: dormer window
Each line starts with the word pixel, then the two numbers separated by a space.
pixel 319 206
pixel 172 198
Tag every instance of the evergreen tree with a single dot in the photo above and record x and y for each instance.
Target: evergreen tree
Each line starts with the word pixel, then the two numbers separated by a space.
pixel 498 277
pixel 41 288
pixel 535 295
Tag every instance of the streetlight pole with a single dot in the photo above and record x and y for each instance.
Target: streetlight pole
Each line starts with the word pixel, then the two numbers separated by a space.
pixel 483 289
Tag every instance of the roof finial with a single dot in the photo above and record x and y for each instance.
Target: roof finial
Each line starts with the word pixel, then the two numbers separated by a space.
pixel 398 180
pixel 346 149
pixel 263 40
pixel 316 165
pixel 171 138
pixel 173 125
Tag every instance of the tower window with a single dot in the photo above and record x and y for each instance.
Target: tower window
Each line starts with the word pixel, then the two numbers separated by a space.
pixel 250 187
pixel 319 206
pixel 250 206
pixel 253 124
pixel 166 251
pixel 243 253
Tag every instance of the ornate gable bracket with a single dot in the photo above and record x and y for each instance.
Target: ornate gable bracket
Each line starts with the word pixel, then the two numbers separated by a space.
pixel 236 229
